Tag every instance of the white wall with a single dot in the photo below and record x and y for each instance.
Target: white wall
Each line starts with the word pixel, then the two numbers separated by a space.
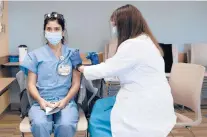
pixel 88 22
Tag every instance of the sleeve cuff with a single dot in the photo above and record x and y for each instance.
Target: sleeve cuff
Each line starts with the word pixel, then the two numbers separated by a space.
pixel 26 69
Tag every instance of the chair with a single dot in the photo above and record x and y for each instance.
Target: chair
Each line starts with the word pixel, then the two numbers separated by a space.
pixel 198 54
pixel 25 126
pixel 186 82
pixel 82 126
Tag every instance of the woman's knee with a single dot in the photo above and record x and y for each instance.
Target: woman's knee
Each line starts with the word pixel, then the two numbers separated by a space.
pixel 63 127
pixel 41 123
pixel 40 127
pixel 67 124
pixel 38 122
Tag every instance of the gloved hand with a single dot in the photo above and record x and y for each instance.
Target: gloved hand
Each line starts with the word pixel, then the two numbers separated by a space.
pixel 75 58
pixel 93 56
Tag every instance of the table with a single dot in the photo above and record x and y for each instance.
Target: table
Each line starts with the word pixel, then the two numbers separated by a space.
pixel 115 82
pixel 11 64
pixel 86 62
pixel 5 83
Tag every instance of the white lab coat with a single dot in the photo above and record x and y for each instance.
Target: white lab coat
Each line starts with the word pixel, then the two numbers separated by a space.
pixel 144 104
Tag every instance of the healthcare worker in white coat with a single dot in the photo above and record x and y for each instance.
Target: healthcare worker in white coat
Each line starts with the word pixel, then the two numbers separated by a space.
pixel 144 104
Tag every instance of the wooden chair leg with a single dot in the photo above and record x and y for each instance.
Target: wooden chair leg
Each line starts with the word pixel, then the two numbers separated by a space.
pixel 183 109
pixel 189 129
pixel 87 133
pixel 171 133
pixel 22 134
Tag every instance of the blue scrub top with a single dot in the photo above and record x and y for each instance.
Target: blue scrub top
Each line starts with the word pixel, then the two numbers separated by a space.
pixel 44 63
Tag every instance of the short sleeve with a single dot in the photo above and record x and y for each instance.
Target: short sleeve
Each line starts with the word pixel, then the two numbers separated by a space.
pixel 30 63
pixel 75 58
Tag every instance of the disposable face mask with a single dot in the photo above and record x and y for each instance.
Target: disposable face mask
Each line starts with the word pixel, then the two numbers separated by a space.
pixel 54 38
pixel 114 31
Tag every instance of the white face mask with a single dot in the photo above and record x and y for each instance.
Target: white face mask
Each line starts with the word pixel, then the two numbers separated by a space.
pixel 54 38
pixel 114 31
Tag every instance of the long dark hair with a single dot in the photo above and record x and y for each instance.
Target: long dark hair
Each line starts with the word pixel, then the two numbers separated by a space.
pixel 54 16
pixel 130 24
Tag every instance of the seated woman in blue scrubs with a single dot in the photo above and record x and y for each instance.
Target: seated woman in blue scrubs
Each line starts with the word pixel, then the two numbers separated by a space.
pixel 53 81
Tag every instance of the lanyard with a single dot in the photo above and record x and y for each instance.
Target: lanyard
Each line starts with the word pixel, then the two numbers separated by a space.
pixel 63 68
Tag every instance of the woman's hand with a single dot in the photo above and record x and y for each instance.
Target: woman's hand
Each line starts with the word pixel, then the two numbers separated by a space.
pixel 61 104
pixel 81 68
pixel 43 104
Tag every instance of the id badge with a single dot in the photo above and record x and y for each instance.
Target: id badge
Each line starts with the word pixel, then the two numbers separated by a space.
pixel 64 69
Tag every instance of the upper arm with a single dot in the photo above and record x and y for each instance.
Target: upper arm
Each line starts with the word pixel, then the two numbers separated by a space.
pixel 75 58
pixel 32 78
pixel 76 77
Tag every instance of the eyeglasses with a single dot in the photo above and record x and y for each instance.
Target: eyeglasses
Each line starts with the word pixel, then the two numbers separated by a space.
pixel 55 15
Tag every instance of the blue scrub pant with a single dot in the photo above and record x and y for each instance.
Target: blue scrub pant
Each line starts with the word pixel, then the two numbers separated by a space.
pixel 99 124
pixel 63 123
